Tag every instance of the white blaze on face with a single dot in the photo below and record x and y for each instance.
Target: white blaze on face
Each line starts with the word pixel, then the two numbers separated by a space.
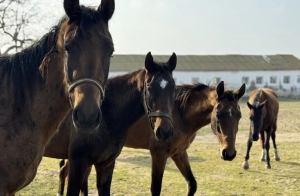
pixel 257 104
pixel 163 83
pixel 230 114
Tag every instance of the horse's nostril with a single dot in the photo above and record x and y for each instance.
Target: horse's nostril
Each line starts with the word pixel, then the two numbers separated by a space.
pixel 75 115
pixel 171 131
pixel 158 133
pixel 99 117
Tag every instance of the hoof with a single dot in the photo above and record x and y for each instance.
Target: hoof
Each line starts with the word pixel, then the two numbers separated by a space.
pixel 263 160
pixel 268 166
pixel 277 159
pixel 245 165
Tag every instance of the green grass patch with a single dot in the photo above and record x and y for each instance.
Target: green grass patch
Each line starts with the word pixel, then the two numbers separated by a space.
pixel 132 175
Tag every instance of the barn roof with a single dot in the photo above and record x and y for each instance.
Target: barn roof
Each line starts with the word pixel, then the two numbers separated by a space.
pixel 211 62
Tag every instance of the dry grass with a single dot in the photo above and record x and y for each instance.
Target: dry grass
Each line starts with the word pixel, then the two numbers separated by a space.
pixel 132 174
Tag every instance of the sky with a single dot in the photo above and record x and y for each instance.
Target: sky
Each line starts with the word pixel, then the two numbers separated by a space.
pixel 203 27
pixel 206 27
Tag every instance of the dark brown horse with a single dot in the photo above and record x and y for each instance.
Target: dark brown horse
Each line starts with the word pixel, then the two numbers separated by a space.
pixel 68 65
pixel 263 110
pixel 150 90
pixel 196 106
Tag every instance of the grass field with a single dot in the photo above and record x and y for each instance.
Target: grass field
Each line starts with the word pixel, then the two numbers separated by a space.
pixel 132 175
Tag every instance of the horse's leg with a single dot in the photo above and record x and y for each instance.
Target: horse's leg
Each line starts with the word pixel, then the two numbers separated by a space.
pixel 182 162
pixel 63 173
pixel 104 177
pixel 263 146
pixel 84 186
pixel 77 172
pixel 267 145
pixel 159 161
pixel 249 145
pixel 273 135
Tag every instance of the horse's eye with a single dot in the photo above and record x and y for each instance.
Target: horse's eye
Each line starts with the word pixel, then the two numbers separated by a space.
pixel 67 44
pixel 111 53
pixel 149 88
pixel 219 114
pixel 67 48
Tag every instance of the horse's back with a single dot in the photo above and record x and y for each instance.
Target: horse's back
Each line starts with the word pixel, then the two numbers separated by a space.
pixel 263 94
pixel 272 101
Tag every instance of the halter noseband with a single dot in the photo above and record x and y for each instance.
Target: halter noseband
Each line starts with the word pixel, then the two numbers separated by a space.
pixel 86 80
pixel 154 114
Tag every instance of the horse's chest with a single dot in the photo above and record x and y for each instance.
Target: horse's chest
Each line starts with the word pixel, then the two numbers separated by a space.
pixel 109 151
pixel 180 144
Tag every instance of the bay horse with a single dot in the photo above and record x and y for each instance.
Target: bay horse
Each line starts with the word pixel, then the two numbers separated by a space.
pixel 150 90
pixel 195 106
pixel 263 111
pixel 67 67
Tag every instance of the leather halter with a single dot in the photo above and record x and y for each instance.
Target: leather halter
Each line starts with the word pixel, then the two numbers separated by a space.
pixel 86 80
pixel 153 114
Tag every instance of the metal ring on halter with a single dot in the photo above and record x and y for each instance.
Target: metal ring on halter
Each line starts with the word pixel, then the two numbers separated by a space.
pixel 87 80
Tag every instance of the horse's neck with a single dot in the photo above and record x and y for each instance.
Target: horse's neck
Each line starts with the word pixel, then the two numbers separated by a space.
pixel 123 101
pixel 41 110
pixel 52 105
pixel 197 113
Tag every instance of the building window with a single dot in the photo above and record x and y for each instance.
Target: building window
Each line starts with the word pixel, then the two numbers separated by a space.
pixel 245 80
pixel 298 79
pixel 286 79
pixel 216 80
pixel 195 80
pixel 273 79
pixel 259 80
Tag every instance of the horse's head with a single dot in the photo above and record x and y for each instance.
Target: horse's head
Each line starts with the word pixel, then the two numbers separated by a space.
pixel 159 95
pixel 88 46
pixel 225 119
pixel 256 118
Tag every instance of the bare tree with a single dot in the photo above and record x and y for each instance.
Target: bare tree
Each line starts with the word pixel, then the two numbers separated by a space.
pixel 21 23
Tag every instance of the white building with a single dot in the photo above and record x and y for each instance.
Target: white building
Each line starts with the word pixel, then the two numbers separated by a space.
pixel 278 72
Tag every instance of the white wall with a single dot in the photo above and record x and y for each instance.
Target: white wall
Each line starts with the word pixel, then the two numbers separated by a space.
pixel 233 80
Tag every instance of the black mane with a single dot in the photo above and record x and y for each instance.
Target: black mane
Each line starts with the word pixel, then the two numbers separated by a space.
pixel 21 68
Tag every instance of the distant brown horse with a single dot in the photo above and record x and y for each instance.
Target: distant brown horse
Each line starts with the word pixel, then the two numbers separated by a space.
pixel 150 90
pixel 196 106
pixel 263 109
pixel 68 66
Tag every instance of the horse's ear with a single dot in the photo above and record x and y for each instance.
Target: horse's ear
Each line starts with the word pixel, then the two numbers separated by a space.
pixel 72 9
pixel 172 61
pixel 240 92
pixel 220 89
pixel 107 8
pixel 149 65
pixel 249 105
pixel 262 104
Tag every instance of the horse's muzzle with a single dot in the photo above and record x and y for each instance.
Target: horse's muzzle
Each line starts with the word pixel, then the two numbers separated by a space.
pixel 255 137
pixel 161 135
pixel 226 157
pixel 86 126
